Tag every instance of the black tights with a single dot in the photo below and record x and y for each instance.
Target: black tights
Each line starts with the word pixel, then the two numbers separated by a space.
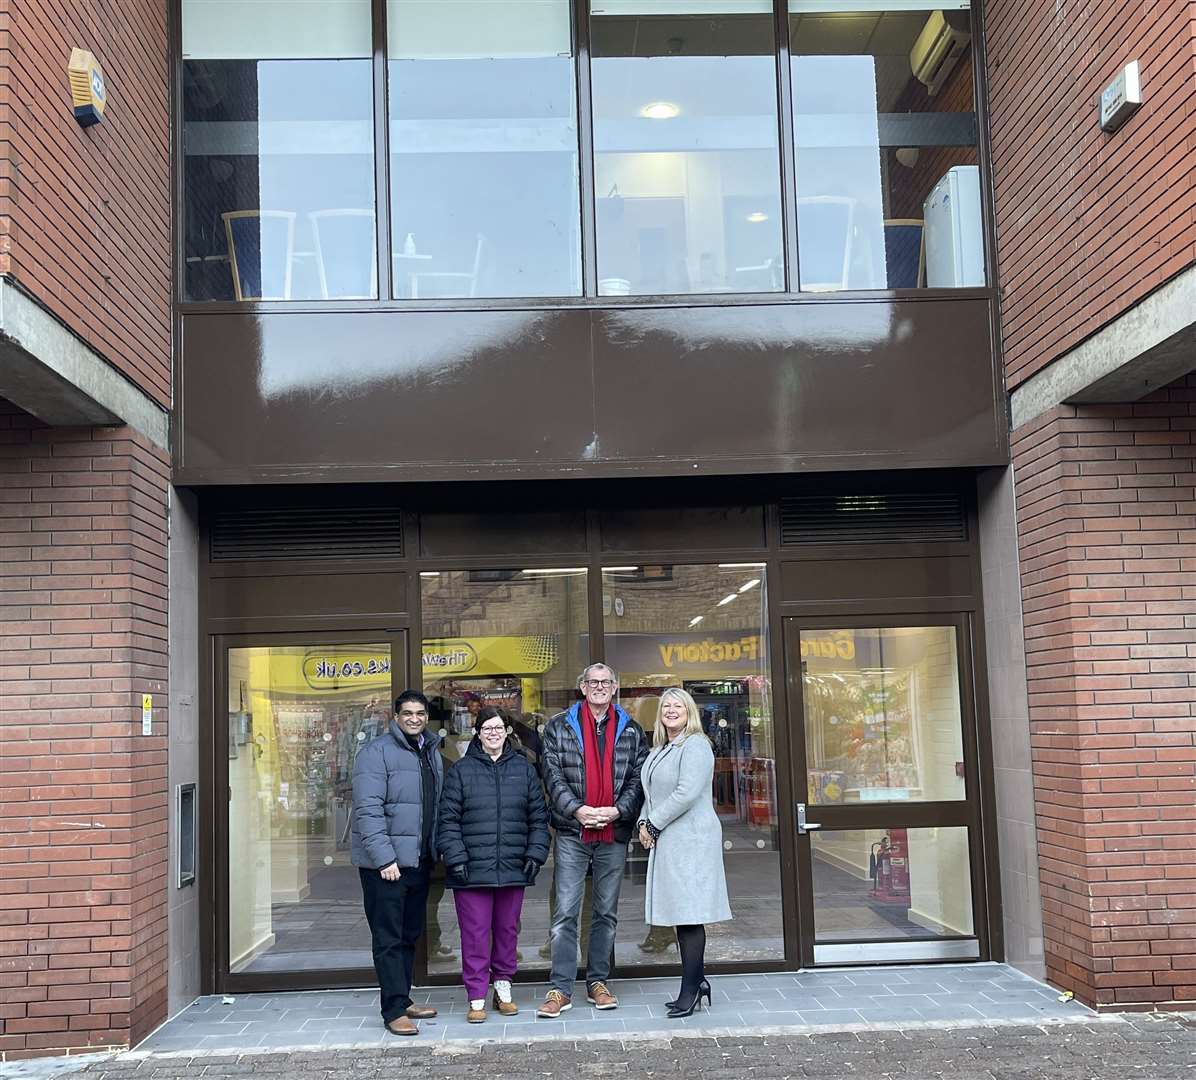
pixel 691 940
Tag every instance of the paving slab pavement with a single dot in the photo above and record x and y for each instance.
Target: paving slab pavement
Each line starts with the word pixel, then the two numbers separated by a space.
pixel 1125 1047
pixel 837 999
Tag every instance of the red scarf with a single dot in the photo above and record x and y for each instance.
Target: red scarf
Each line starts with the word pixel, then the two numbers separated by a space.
pixel 600 771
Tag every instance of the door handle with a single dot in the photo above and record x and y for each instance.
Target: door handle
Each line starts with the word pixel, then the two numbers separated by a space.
pixel 804 826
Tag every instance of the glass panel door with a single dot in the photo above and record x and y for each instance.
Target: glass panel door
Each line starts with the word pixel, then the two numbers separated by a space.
pixel 705 629
pixel 887 846
pixel 515 639
pixel 297 715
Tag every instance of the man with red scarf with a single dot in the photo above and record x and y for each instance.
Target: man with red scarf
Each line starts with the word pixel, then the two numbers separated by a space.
pixel 590 757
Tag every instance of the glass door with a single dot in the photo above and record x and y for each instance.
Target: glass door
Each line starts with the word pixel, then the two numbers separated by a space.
pixel 514 639
pixel 886 790
pixel 299 708
pixel 704 629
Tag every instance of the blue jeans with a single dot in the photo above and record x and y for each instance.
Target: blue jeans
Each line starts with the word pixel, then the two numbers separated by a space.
pixel 571 860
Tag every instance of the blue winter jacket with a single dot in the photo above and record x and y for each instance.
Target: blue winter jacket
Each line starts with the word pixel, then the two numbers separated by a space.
pixel 388 799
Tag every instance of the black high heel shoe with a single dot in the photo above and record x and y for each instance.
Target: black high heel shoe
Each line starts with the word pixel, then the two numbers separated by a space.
pixel 683 1009
pixel 703 988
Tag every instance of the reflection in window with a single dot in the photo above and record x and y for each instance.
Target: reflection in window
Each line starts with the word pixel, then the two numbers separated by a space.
pixel 882 715
pixel 297 716
pixel 888 184
pixel 514 639
pixel 278 145
pixel 483 149
pixel 891 884
pixel 705 628
pixel 687 171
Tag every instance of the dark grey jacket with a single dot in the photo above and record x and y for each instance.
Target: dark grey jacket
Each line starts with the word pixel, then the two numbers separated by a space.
pixel 388 799
pixel 563 766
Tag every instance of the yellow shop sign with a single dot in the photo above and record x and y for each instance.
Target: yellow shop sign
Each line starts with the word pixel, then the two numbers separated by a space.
pixel 838 645
pixel 341 669
pixel 331 669
pixel 519 654
pixel 449 658
pixel 709 650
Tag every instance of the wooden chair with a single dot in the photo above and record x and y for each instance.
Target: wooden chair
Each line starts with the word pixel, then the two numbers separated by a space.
pixel 469 278
pixel 345 246
pixel 261 252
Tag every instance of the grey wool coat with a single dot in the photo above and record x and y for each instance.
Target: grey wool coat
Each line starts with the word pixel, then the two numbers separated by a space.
pixel 686 881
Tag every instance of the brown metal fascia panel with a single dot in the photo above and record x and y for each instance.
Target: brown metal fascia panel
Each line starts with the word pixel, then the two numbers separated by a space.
pixel 582 392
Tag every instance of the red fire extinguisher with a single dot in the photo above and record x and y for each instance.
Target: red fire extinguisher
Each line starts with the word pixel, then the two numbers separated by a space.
pixel 899 860
pixel 888 865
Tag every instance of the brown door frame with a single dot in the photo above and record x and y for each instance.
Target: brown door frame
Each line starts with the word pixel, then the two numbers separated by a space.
pixel 247 982
pixel 965 812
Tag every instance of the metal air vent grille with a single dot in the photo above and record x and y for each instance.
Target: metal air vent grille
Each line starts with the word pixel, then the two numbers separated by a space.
pixel 302 532
pixel 871 519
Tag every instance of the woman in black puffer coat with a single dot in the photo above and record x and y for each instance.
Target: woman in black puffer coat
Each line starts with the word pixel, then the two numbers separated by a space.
pixel 493 838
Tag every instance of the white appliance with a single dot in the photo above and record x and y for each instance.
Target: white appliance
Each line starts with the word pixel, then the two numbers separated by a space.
pixel 939 46
pixel 954 230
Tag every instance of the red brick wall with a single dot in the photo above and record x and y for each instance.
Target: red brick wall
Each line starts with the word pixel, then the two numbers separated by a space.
pixel 1107 534
pixel 1088 224
pixel 910 187
pixel 85 214
pixel 83 795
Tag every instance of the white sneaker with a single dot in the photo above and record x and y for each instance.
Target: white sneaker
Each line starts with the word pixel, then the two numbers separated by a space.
pixel 503 989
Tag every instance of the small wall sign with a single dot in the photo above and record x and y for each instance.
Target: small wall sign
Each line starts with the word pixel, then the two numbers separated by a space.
pixel 1121 98
pixel 87 87
pixel 147 714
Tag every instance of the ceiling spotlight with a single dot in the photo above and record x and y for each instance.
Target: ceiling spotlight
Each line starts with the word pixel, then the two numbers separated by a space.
pixel 726 599
pixel 749 585
pixel 660 110
pixel 695 620
pixel 757 216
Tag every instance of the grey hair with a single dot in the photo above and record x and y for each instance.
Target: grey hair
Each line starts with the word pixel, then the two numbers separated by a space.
pixel 585 673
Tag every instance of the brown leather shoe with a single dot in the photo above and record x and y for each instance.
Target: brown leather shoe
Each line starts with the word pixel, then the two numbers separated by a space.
pixel 400 1025
pixel 504 1008
pixel 554 1004
pixel 475 1016
pixel 420 1012
pixel 600 997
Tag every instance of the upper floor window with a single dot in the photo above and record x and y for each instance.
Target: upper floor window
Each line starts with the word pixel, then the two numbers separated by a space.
pixel 278 150
pixel 884 126
pixel 658 168
pixel 484 195
pixel 686 151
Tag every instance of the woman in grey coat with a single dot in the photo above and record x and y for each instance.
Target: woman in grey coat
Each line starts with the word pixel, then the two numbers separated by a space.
pixel 687 886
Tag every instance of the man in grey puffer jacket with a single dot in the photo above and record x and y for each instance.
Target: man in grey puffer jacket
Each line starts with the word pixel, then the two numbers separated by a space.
pixel 397 780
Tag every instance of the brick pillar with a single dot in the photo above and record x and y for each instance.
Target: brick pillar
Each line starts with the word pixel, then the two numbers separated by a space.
pixel 83 794
pixel 1107 539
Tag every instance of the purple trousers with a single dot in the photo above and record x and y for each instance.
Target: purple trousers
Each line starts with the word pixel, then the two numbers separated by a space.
pixel 489 920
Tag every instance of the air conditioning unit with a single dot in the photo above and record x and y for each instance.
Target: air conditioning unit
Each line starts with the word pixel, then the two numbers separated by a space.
pixel 939 46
